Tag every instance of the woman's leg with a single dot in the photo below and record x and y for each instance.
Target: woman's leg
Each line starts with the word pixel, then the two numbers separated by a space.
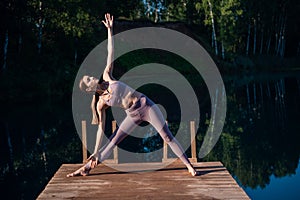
pixel 126 127
pixel 167 136
pixel 156 119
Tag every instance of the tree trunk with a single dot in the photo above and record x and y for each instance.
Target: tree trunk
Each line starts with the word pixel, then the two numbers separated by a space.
pixel 261 94
pixel 268 45
pixel 156 19
pixel 282 49
pixel 5 50
pixel 213 28
pixel 40 28
pixel 148 9
pixel 248 97
pixel 261 41
pixel 254 94
pixel 248 38
pixel 279 37
pixel 223 51
pixel 276 42
pixel 10 150
pixel 44 156
pixel 254 37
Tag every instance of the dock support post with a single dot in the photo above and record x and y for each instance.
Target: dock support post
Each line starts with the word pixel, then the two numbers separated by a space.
pixel 84 143
pixel 193 141
pixel 165 150
pixel 83 138
pixel 193 158
pixel 116 156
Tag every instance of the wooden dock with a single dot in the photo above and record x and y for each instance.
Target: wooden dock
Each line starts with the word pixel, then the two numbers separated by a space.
pixel 171 182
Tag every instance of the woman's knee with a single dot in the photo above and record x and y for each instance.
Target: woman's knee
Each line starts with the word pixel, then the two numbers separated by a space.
pixel 166 134
pixel 119 136
pixel 168 138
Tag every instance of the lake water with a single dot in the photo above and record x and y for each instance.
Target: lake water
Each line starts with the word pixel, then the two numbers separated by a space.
pixel 266 145
pixel 259 144
pixel 286 187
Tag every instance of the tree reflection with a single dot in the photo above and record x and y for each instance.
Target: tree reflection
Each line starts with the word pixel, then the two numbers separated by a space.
pixel 260 135
pixel 31 153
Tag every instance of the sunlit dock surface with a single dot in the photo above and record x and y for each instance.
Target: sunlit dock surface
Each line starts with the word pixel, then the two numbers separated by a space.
pixel 171 182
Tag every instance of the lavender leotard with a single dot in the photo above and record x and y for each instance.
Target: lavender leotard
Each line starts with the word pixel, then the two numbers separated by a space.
pixel 142 110
pixel 118 93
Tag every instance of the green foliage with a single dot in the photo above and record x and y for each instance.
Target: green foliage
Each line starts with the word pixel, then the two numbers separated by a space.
pixel 230 12
pixel 71 16
pixel 73 27
pixel 176 10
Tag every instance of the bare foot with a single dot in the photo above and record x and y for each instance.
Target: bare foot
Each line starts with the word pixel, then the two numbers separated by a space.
pixel 84 170
pixel 79 172
pixel 192 171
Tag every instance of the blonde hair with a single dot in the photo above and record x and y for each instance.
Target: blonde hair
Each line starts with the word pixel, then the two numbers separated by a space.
pixel 95 116
pixel 82 85
pixel 101 87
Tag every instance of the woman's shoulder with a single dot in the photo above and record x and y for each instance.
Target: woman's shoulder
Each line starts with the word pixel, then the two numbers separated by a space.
pixel 115 82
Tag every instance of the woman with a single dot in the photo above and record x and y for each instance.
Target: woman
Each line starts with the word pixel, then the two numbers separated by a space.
pixel 137 106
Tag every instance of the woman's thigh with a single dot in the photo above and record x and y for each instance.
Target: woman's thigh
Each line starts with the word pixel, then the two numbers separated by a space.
pixel 156 119
pixel 125 128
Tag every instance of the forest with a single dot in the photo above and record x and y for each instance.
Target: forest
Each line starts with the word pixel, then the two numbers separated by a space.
pixel 46 41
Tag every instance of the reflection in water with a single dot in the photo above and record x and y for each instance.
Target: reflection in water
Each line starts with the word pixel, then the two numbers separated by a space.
pixel 259 140
pixel 261 137
pixel 35 141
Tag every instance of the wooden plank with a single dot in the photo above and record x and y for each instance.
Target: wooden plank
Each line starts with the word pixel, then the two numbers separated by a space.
pixel 171 182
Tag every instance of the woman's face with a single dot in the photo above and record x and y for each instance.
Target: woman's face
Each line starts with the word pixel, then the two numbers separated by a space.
pixel 90 82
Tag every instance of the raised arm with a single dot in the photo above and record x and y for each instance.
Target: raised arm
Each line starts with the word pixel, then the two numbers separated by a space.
pixel 107 74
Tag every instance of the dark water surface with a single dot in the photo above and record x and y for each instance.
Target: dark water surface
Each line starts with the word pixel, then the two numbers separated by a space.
pixel 259 144
pixel 262 133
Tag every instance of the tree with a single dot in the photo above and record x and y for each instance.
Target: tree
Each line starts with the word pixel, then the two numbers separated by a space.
pixel 230 13
pixel 208 8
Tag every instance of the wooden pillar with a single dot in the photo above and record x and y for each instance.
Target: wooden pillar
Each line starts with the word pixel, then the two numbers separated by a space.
pixel 115 152
pixel 84 143
pixel 193 141
pixel 165 150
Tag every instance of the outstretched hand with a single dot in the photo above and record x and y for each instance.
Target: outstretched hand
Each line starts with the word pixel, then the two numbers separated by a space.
pixel 108 21
pixel 94 161
pixel 93 158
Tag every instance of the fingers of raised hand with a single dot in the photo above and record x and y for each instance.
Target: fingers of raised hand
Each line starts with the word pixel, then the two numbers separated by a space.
pixel 108 20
